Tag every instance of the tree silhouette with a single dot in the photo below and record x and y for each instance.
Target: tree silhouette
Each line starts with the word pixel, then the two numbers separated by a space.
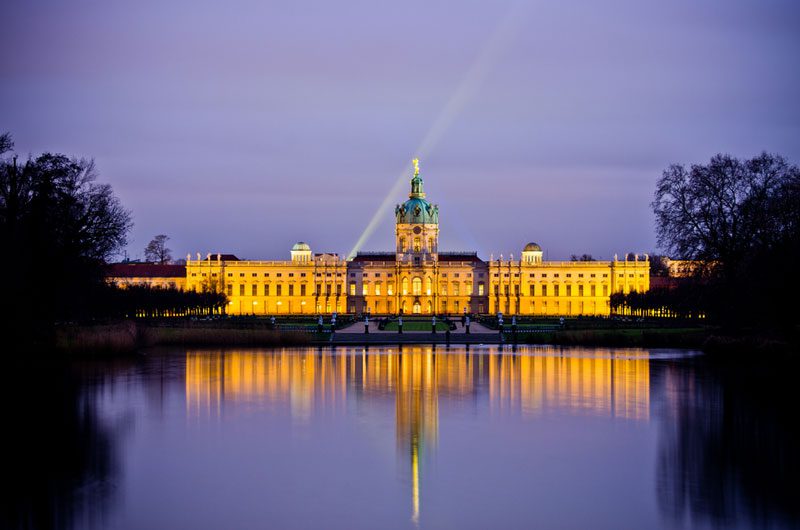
pixel 156 250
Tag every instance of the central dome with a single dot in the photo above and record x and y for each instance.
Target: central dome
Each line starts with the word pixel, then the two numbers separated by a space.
pixel 417 210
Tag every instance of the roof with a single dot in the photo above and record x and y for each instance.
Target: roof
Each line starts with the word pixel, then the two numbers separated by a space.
pixel 374 256
pixel 460 256
pixel 532 247
pixel 145 270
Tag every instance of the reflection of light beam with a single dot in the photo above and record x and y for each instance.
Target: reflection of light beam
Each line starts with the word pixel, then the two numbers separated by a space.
pixel 499 39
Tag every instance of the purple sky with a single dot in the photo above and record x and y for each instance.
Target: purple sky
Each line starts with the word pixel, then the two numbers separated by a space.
pixel 244 126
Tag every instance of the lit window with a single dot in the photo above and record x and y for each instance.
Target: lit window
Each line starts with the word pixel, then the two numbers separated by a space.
pixel 416 286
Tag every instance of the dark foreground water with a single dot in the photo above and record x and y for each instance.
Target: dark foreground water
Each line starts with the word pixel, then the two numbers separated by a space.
pixel 421 437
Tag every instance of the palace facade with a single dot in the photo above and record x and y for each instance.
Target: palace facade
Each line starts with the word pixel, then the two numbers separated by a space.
pixel 415 278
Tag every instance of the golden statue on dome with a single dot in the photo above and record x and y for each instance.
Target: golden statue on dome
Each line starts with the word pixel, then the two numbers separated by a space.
pixel 416 166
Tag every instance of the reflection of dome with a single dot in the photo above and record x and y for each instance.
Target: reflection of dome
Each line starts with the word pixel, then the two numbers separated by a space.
pixel 301 246
pixel 532 247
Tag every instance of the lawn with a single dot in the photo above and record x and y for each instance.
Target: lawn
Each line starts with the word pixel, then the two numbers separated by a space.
pixel 416 325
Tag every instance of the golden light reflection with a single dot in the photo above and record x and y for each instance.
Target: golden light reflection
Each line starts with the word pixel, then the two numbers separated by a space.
pixel 421 380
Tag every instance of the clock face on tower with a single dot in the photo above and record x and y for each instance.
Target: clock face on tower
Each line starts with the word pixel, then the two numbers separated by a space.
pixel 417 230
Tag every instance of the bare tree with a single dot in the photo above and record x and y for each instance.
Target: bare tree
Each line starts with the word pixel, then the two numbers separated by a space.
pixel 156 250
pixel 582 257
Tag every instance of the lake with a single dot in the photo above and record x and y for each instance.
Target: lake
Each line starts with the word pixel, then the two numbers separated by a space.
pixel 418 437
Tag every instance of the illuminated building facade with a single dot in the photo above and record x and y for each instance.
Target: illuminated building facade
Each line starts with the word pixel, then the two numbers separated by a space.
pixel 416 277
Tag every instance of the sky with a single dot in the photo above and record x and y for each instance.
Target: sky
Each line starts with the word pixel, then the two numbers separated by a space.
pixel 247 125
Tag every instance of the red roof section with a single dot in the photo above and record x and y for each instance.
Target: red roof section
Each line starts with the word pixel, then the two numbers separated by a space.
pixel 145 270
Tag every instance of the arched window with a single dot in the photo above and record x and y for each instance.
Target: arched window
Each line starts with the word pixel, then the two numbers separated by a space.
pixel 416 286
pixel 428 286
pixel 430 244
pixel 417 244
pixel 417 308
pixel 405 286
pixel 402 244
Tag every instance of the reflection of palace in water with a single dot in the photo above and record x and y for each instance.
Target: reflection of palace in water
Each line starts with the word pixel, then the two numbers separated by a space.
pixel 422 381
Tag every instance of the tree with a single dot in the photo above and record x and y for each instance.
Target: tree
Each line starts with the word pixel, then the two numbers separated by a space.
pixel 582 257
pixel 740 219
pixel 157 252
pixel 58 227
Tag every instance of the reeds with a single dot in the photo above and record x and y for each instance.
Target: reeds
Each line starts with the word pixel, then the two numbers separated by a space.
pixel 128 336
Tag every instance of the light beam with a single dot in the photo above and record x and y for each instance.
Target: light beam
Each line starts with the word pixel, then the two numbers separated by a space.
pixel 498 40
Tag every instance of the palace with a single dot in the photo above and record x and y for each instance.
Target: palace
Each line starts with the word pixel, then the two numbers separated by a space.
pixel 415 278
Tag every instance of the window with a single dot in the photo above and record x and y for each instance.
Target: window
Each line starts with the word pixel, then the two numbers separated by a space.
pixel 594 293
pixel 319 289
pixel 352 288
pixel 241 275
pixel 456 289
pixel 291 290
pixel 278 289
pixel 230 275
pixel 390 292
pixel 605 290
pixel 291 275
pixel 555 290
pixel 402 244
pixel 480 289
pixel 443 289
pixel 544 290
pixel 339 289
pixel 328 289
pixel 580 290
pixel 241 289
pixel 505 290
pixel 532 291
pixel 254 290
pixel 230 290
pixel 266 289
pixel 377 289
pixel 430 243
pixel 405 286
pixel 428 285
pixel 279 275
pixel 365 289
pixel 416 285
pixel 254 275
pixel 569 290
pixel 417 244
pixel 516 290
pixel 303 290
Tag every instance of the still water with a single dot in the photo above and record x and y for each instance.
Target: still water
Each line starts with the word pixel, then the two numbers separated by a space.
pixel 423 437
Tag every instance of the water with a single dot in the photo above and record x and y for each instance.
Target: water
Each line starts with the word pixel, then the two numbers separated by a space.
pixel 419 438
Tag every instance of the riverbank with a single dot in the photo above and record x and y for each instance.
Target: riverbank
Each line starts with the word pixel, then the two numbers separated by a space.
pixel 129 336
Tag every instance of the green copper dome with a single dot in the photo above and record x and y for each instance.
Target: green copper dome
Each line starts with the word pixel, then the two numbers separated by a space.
pixel 301 245
pixel 417 210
